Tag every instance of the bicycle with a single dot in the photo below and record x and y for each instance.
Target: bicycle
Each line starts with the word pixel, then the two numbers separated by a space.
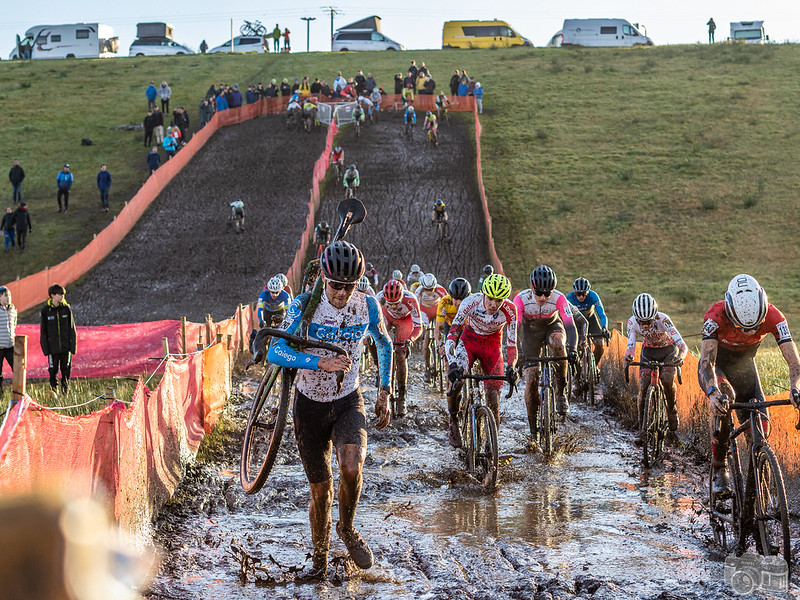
pixel 757 504
pixel 252 28
pixel 337 172
pixel 654 424
pixel 409 130
pixel 546 422
pixel 441 230
pixel 589 374
pixel 442 115
pixel 434 368
pixel 350 192
pixel 479 430
pixel 433 137
pixel 394 392
pixel 357 124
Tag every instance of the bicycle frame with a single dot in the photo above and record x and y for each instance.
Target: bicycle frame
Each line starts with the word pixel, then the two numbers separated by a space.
pixel 547 422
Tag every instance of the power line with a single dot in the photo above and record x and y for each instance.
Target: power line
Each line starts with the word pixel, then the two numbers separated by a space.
pixel 334 11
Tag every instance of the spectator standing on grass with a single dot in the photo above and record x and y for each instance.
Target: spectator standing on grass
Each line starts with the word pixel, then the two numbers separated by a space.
pixel 235 101
pixel 150 93
pixel 22 221
pixel 370 83
pixel 57 337
pixel 463 84
pixel 454 83
pixel 206 112
pixel 8 329
pixel 164 93
pixel 423 70
pixel 181 118
pixel 324 88
pixel 315 87
pixel 272 90
pixel 170 144
pixel 148 128
pixel 153 160
pixel 222 101
pixel 276 38
pixel 286 89
pixel 9 228
pixel 104 185
pixel 413 70
pixel 158 125
pixel 15 176
pixel 478 94
pixel 64 182
pixel 398 83
pixel 286 46
pixel 712 27
pixel 250 95
pixel 203 47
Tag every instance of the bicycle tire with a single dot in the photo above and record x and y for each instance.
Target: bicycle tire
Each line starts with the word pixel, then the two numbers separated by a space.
pixel 725 512
pixel 546 420
pixel 771 512
pixel 262 436
pixel 648 433
pixel 661 426
pixel 592 380
pixel 486 457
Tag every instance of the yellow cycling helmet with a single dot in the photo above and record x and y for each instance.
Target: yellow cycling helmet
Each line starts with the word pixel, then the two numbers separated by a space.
pixel 496 286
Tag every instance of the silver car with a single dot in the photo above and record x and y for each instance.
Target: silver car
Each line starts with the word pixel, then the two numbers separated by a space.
pixel 157 47
pixel 242 43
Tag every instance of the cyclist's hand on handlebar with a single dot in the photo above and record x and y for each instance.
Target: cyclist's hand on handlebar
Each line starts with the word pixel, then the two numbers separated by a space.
pixel 454 373
pixel 382 409
pixel 572 357
pixel 628 358
pixel 331 364
pixel 718 404
pixel 511 375
pixel 795 398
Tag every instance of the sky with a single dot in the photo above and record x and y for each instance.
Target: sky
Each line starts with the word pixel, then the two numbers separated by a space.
pixel 416 24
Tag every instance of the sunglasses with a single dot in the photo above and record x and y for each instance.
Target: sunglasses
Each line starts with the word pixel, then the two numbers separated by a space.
pixel 336 285
pixel 542 294
pixel 580 293
pixel 647 322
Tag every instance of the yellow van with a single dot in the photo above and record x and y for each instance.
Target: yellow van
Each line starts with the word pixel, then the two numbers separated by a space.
pixel 481 34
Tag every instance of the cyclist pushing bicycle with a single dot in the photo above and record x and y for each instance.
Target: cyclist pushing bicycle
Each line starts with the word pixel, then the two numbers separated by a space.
pixel 477 334
pixel 732 332
pixel 328 415
pixel 661 342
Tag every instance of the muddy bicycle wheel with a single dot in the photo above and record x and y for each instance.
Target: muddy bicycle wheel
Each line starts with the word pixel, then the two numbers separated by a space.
pixel 547 420
pixel 649 429
pixel 771 512
pixel 485 462
pixel 725 510
pixel 262 437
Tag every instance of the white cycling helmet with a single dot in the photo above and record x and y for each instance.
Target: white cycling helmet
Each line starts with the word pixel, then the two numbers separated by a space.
pixel 415 268
pixel 428 281
pixel 645 307
pixel 274 285
pixel 284 279
pixel 363 284
pixel 397 274
pixel 746 302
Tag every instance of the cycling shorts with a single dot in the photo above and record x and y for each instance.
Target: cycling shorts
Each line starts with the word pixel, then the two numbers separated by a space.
pixel 532 338
pixel 739 370
pixel 321 426
pixel 663 354
pixel 404 328
pixel 484 348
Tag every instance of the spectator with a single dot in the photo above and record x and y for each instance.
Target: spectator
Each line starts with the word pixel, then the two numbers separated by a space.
pixel 712 27
pixel 203 47
pixel 57 337
pixel 409 78
pixel 286 46
pixel 338 84
pixel 324 88
pixel 349 91
pixel 305 87
pixel 478 94
pixel 424 70
pixel 250 95
pixel 176 133
pixel 222 101
pixel 15 176
pixel 153 160
pixel 276 38
pixel 370 83
pixel 295 85
pixel 235 100
pixel 212 92
pixel 413 70
pixel 104 184
pixel 470 86
pixel 158 125
pixel 454 83
pixel 164 93
pixel 205 112
pixel 64 183
pixel 181 118
pixel 260 92
pixel 150 93
pixel 398 83
pixel 361 83
pixel 9 228
pixel 272 89
pixel 22 221
pixel 316 87
pixel 148 128
pixel 421 81
pixel 8 329
pixel 286 90
pixel 463 84
pixel 170 144
pixel 430 86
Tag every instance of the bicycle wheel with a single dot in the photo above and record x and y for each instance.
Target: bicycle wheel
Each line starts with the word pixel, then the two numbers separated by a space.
pixel 262 437
pixel 546 420
pixel 591 381
pixel 771 513
pixel 725 511
pixel 649 437
pixel 485 451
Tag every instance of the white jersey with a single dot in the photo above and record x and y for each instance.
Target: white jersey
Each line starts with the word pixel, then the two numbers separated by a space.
pixel 661 333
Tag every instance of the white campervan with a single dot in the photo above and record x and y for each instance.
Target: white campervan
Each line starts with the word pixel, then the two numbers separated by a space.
pixel 603 33
pixel 79 40
pixel 751 32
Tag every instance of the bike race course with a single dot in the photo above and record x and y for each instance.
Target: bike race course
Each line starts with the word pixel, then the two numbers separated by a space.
pixel 588 523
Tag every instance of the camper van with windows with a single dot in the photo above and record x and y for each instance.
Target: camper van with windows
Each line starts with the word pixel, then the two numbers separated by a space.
pixel 79 40
pixel 363 35
pixel 481 34
pixel 751 32
pixel 603 33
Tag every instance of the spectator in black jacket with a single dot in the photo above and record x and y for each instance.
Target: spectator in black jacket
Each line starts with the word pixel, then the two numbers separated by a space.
pixel 429 87
pixel 324 88
pixel 181 118
pixel 22 221
pixel 235 99
pixel 398 83
pixel 15 176
pixel 149 121
pixel 286 89
pixel 454 81
pixel 316 87
pixel 9 228
pixel 206 112
pixel 58 337
pixel 153 159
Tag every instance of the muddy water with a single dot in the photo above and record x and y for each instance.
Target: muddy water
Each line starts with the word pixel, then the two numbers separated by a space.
pixel 588 523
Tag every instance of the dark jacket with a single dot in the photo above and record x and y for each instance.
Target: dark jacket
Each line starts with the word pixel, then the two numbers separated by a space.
pixel 7 224
pixel 325 90
pixel 285 89
pixel 103 180
pixel 22 218
pixel 429 87
pixel 250 96
pixel 235 99
pixel 149 122
pixel 16 174
pixel 57 333
pixel 158 119
pixel 454 80
pixel 181 119
pixel 316 87
pixel 154 160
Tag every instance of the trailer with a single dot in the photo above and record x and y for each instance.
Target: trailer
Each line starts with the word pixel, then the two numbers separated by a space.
pixel 77 40
pixel 603 33
pixel 751 32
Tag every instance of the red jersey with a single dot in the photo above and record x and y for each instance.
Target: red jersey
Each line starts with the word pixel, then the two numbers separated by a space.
pixel 717 326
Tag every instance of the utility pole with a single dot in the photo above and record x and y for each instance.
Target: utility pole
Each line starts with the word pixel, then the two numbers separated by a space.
pixel 308 29
pixel 334 11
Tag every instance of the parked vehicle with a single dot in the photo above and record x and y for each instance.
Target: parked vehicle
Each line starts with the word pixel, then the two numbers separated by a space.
pixel 363 35
pixel 556 41
pixel 481 34
pixel 157 47
pixel 154 30
pixel 77 40
pixel 751 32
pixel 242 43
pixel 603 32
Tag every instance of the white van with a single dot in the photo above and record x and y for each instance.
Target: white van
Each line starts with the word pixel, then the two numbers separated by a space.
pixel 78 40
pixel 603 33
pixel 242 43
pixel 157 47
pixel 751 32
pixel 362 39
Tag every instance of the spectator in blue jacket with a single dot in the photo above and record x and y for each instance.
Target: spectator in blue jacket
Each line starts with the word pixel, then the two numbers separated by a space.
pixel 170 143
pixel 151 92
pixel 222 101
pixel 236 97
pixel 153 159
pixel 478 94
pixel 103 184
pixel 250 95
pixel 64 182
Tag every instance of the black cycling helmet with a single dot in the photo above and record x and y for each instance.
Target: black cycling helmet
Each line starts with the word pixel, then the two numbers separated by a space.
pixel 324 225
pixel 488 270
pixel 342 262
pixel 351 168
pixel 459 288
pixel 543 279
pixel 369 266
pixel 581 285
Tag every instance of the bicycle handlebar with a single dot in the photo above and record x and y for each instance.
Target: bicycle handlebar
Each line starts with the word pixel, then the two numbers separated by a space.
pixel 511 387
pixel 753 406
pixel 649 364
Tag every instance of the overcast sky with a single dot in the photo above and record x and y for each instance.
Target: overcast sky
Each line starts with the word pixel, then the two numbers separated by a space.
pixel 413 23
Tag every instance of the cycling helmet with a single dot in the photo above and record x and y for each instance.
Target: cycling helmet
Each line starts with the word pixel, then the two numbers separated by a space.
pixel 324 225
pixel 746 302
pixel 337 149
pixel 440 203
pixel 488 270
pixel 284 279
pixel 428 281
pixel 459 288
pixel 393 291
pixel 370 266
pixel 581 285
pixel 363 284
pixel 274 285
pixel 415 268
pixel 351 168
pixel 397 274
pixel 496 286
pixel 543 279
pixel 427 113
pixel 342 262
pixel 645 307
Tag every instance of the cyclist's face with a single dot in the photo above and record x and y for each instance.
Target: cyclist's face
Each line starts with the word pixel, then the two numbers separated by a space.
pixel 492 305
pixel 341 296
pixel 645 325
pixel 541 297
pixel 457 303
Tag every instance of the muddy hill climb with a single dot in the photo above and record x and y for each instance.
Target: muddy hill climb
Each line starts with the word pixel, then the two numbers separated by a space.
pixel 586 523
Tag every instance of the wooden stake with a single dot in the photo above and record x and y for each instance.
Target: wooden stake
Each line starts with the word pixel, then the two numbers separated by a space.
pixel 20 367
pixel 209 330
pixel 165 346
pixel 110 397
pixel 183 336
pixel 240 317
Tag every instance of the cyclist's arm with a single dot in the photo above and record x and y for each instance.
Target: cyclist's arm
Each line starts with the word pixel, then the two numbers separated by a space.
pixel 520 307
pixel 630 350
pixel 683 350
pixel 260 307
pixel 598 308
pixel 459 322
pixel 706 374
pixel 441 315
pixel 511 332
pixel 377 329
pixel 416 320
pixel 569 323
pixel 282 354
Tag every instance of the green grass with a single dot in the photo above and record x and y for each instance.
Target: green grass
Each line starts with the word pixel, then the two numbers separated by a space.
pixel 666 169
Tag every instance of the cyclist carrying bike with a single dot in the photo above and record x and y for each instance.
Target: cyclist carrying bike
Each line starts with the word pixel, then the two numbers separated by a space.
pixel 428 293
pixel 337 158
pixel 661 342
pixel 732 332
pixel 352 180
pixel 325 417
pixel 477 334
pixel 322 233
pixel 588 302
pixel 401 312
pixel 272 303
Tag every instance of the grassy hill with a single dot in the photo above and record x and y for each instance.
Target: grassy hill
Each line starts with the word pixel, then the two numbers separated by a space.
pixel 666 169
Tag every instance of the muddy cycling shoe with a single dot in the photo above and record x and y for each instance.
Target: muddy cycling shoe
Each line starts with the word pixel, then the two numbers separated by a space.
pixel 315 574
pixel 534 431
pixel 454 435
pixel 674 421
pixel 401 406
pixel 721 485
pixel 356 546
pixel 562 405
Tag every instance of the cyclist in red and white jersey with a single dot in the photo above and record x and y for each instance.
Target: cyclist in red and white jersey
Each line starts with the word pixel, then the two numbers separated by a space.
pixel 477 334
pixel 545 317
pixel 428 293
pixel 732 332
pixel 337 157
pixel 660 342
pixel 401 312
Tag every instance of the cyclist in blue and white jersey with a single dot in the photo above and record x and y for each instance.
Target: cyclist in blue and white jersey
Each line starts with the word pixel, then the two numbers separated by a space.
pixel 272 303
pixel 588 302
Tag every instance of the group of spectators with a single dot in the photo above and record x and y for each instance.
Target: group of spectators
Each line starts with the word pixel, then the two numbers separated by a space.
pixel 177 132
pixel 462 84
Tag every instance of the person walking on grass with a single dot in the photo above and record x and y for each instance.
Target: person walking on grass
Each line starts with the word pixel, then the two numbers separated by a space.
pixel 153 160
pixel 58 337
pixel 64 183
pixel 276 38
pixel 103 184
pixel 15 176
pixel 22 221
pixel 150 93
pixel 9 228
pixel 8 329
